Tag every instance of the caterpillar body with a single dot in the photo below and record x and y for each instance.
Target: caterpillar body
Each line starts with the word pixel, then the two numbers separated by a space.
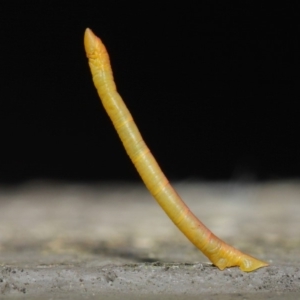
pixel 219 253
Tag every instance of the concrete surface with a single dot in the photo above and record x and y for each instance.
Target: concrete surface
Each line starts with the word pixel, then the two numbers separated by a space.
pixel 112 241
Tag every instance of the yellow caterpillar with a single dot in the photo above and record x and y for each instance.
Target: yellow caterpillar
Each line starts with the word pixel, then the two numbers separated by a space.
pixel 219 253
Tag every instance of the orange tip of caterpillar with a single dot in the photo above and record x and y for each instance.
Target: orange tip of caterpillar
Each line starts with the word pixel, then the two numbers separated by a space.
pixel 89 38
pixel 92 44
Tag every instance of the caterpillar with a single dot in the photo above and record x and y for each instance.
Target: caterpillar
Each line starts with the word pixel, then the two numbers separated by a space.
pixel 218 252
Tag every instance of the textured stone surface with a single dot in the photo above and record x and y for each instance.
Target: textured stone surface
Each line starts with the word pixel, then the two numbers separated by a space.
pixel 91 241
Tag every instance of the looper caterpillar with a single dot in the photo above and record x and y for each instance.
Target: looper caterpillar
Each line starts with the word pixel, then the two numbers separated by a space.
pixel 219 253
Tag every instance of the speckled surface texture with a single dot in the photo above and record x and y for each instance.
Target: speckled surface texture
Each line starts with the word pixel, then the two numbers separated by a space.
pixel 112 241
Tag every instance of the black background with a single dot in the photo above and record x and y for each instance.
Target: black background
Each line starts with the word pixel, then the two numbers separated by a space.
pixel 212 88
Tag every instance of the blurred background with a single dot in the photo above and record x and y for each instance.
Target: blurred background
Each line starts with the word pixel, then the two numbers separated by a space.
pixel 211 87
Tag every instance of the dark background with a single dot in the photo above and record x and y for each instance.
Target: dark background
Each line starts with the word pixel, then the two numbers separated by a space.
pixel 212 88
